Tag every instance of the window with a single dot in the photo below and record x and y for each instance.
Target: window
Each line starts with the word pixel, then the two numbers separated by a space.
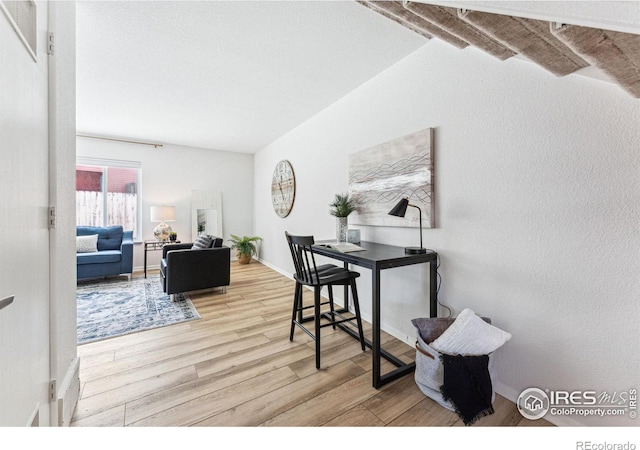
pixel 107 193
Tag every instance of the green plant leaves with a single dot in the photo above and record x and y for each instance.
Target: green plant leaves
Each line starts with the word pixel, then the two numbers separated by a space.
pixel 244 244
pixel 343 205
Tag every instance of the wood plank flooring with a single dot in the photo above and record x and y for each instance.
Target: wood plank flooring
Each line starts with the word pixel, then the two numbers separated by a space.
pixel 236 367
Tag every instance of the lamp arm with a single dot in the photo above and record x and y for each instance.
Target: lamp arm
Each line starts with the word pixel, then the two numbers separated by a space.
pixel 420 216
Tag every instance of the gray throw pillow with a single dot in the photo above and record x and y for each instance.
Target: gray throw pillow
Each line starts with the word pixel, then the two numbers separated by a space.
pixel 87 244
pixel 202 241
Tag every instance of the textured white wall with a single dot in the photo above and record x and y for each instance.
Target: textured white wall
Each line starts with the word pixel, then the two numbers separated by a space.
pixel 537 190
pixel 170 173
pixel 24 236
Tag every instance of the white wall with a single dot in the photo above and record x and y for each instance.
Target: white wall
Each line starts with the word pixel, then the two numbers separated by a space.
pixel 24 236
pixel 537 190
pixel 170 173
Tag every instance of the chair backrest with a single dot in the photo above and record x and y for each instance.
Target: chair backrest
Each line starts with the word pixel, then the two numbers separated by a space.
pixel 303 260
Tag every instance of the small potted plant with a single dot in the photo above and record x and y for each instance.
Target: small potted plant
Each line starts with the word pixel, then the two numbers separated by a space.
pixel 341 207
pixel 245 247
pixel 173 236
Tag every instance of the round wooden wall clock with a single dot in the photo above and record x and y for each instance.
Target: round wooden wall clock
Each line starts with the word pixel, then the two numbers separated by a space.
pixel 283 188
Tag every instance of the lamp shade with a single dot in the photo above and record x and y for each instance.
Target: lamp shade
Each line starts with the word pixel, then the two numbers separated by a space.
pixel 163 213
pixel 400 209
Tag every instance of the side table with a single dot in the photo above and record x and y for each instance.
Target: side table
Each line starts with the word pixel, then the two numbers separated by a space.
pixel 153 246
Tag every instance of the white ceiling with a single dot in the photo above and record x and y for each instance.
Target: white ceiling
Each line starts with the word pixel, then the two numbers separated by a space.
pixel 237 75
pixel 225 75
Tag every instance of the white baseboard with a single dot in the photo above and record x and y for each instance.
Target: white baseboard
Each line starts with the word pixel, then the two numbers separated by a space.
pixel 272 267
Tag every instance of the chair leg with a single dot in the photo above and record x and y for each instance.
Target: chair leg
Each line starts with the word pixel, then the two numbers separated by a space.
pixel 332 308
pixel 356 305
pixel 316 301
pixel 296 309
pixel 300 303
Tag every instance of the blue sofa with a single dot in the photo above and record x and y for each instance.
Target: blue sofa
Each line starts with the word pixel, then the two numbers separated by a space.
pixel 114 255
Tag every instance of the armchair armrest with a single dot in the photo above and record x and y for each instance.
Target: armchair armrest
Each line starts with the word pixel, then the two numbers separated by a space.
pixel 126 264
pixel 171 247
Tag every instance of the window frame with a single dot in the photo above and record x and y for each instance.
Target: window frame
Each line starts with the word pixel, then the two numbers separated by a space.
pixel 106 163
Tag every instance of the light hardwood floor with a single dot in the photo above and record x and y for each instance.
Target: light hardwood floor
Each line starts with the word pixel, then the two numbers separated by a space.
pixel 236 367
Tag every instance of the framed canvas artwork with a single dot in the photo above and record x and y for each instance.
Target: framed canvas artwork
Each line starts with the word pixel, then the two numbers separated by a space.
pixel 380 176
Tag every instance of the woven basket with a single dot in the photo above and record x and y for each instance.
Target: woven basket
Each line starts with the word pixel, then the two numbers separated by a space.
pixel 429 373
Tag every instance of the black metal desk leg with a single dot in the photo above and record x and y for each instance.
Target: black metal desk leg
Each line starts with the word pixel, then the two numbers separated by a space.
pixel 346 292
pixel 145 260
pixel 375 305
pixel 433 288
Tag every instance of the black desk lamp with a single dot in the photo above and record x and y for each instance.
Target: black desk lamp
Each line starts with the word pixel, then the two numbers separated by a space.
pixel 400 210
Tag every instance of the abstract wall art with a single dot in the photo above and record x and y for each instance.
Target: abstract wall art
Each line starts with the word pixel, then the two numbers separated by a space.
pixel 381 175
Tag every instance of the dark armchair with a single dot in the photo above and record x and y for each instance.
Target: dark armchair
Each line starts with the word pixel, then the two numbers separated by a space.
pixel 184 269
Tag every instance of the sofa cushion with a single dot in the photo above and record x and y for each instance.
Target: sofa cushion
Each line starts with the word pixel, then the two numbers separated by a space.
pixel 87 244
pixel 203 241
pixel 109 238
pixel 105 256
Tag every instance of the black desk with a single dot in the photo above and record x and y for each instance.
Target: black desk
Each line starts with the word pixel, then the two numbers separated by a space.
pixel 377 257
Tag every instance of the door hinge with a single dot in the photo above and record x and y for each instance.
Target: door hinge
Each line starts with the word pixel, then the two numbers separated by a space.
pixel 51 217
pixel 51 41
pixel 52 390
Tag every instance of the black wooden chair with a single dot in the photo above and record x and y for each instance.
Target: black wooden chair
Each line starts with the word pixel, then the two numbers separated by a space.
pixel 317 277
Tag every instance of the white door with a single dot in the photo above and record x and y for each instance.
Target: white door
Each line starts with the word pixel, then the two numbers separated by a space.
pixel 24 236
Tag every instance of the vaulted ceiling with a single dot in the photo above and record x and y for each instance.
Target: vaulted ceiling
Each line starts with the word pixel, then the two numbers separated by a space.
pixel 560 48
pixel 223 75
pixel 237 75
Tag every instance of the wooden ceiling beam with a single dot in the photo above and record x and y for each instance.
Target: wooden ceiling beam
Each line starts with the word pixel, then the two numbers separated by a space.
pixel 447 19
pixel 614 53
pixel 530 38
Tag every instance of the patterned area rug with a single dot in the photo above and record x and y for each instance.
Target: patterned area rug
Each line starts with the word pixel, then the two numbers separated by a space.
pixel 116 307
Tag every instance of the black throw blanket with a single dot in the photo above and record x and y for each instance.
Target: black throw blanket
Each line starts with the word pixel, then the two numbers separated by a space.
pixel 467 385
